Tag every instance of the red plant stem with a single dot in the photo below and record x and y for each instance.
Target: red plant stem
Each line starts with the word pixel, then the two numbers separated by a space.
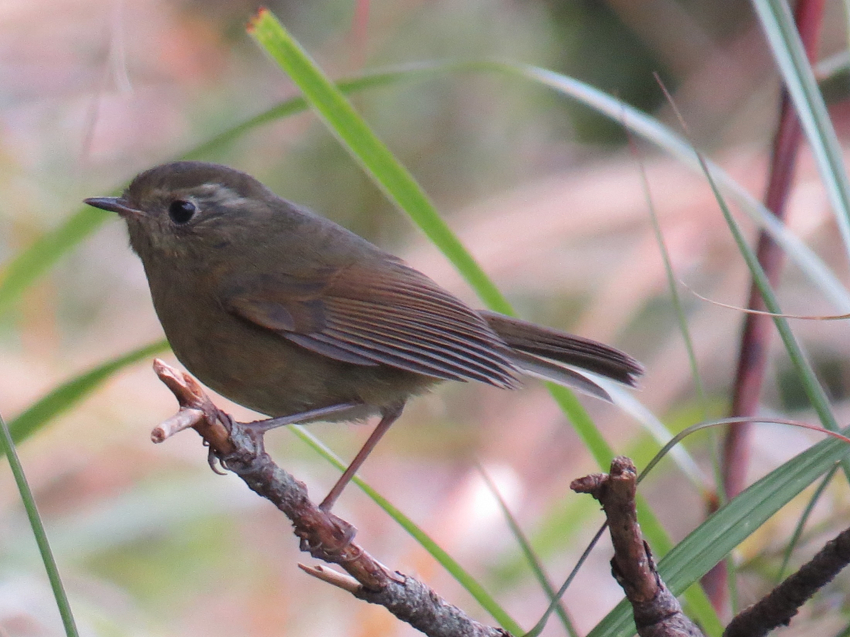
pixel 757 329
pixel 359 34
pixel 755 338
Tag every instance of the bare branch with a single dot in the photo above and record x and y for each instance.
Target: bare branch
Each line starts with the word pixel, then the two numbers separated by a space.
pixel 784 601
pixel 325 536
pixel 656 610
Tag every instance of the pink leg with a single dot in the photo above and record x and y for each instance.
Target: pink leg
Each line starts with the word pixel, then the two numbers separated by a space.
pixel 388 417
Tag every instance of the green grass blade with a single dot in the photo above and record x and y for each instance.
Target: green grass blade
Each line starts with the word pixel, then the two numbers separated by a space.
pixel 38 532
pixel 466 580
pixel 730 525
pixel 68 394
pixel 699 609
pixel 789 53
pixel 370 152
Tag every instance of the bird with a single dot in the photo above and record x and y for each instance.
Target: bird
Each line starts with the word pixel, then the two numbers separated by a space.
pixel 287 313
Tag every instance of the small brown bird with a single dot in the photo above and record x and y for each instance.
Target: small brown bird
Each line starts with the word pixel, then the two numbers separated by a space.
pixel 291 315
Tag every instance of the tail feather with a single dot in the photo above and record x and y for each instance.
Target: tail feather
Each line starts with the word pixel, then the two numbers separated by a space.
pixel 546 370
pixel 550 350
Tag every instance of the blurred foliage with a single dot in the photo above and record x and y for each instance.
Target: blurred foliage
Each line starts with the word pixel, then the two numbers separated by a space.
pixel 543 192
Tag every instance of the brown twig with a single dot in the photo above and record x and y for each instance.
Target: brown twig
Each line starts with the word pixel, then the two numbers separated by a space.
pixel 656 611
pixel 322 534
pixel 784 601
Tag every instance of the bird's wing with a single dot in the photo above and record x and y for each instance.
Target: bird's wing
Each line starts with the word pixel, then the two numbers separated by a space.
pixel 365 315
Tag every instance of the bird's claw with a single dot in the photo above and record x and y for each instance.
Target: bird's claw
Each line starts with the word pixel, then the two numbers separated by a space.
pixel 214 461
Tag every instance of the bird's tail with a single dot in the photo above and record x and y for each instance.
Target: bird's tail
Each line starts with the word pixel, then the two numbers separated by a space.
pixel 559 357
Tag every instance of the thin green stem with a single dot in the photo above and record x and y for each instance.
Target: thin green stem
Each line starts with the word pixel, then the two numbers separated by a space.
pixel 530 555
pixel 38 532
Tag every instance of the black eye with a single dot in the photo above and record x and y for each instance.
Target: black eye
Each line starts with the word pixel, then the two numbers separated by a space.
pixel 181 211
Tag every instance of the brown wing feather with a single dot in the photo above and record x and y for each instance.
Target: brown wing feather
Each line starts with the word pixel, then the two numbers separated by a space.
pixel 388 315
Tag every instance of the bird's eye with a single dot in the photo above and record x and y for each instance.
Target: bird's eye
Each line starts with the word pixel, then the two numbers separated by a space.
pixel 181 211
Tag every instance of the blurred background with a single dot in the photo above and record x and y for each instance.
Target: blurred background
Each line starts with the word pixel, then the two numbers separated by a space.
pixel 545 193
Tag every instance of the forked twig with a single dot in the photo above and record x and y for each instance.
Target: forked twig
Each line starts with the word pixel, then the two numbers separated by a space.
pixel 656 610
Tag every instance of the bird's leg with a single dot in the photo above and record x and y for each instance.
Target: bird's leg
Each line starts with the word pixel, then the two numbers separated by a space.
pixel 262 426
pixel 388 416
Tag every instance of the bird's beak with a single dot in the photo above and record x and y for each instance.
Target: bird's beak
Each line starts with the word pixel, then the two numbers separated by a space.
pixel 113 204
